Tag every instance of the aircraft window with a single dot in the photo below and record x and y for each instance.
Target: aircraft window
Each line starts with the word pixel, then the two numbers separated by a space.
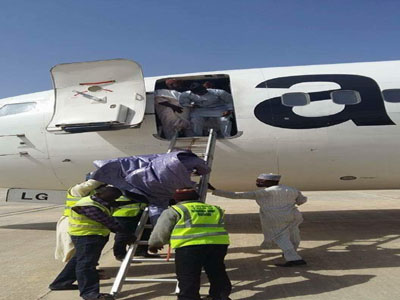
pixel 16 108
pixel 391 95
pixel 295 99
pixel 315 86
pixel 346 97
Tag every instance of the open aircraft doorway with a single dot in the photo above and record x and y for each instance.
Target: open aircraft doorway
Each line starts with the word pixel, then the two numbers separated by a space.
pixel 192 105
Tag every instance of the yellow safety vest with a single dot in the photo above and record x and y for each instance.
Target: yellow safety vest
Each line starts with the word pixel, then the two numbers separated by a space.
pixel 199 224
pixel 129 210
pixel 71 201
pixel 81 225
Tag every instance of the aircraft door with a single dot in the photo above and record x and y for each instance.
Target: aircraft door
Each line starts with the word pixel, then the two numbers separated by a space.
pixel 99 95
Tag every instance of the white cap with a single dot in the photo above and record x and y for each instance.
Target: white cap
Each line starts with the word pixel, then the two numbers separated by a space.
pixel 270 176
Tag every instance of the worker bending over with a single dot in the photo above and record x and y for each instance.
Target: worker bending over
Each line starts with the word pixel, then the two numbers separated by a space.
pixel 90 223
pixel 196 231
pixel 64 247
pixel 280 218
pixel 128 216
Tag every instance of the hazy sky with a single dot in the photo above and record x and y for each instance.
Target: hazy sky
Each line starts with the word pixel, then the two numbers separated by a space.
pixel 168 37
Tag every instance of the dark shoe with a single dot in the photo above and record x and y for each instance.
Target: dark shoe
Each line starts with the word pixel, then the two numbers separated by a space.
pixel 211 298
pixel 105 297
pixel 292 263
pixel 63 287
pixel 101 297
pixel 120 258
pixel 148 255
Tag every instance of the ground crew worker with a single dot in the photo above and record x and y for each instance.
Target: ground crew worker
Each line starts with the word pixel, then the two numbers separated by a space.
pixel 196 231
pixel 127 216
pixel 280 218
pixel 90 223
pixel 64 246
pixel 74 194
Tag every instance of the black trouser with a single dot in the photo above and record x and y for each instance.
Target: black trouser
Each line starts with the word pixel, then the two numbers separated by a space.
pixel 190 260
pixel 122 239
pixel 82 266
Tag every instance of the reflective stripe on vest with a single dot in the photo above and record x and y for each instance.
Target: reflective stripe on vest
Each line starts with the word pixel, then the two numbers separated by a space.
pixel 199 224
pixel 130 210
pixel 81 225
pixel 71 201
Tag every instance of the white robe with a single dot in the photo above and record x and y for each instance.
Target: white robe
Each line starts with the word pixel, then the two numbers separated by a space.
pixel 171 121
pixel 64 247
pixel 280 218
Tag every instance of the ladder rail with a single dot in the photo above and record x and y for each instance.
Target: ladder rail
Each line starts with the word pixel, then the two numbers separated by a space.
pixel 151 280
pixel 123 270
pixel 209 157
pixel 172 143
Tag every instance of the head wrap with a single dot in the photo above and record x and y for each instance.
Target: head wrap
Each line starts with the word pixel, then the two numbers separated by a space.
pixel 170 81
pixel 196 87
pixel 270 176
pixel 186 194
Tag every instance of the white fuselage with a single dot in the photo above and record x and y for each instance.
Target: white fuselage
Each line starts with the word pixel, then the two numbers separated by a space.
pixel 320 158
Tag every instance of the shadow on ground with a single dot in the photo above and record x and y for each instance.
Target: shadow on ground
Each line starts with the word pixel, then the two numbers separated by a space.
pixel 51 226
pixel 342 241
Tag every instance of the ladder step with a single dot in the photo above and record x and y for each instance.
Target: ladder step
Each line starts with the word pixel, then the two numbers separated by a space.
pixel 191 138
pixel 188 142
pixel 153 259
pixel 150 280
pixel 199 155
pixel 145 243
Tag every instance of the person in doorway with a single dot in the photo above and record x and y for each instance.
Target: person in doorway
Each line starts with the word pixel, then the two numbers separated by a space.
pixel 209 85
pixel 90 223
pixel 209 108
pixel 173 117
pixel 280 218
pixel 196 231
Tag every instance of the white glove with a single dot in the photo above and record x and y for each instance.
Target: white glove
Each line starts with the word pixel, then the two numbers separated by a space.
pixel 83 189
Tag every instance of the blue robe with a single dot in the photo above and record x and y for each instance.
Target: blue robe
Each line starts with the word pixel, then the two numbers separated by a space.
pixel 155 176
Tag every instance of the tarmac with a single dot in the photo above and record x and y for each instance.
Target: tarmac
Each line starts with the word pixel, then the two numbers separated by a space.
pixel 350 240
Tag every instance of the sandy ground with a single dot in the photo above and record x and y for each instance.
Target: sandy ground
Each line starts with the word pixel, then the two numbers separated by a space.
pixel 351 241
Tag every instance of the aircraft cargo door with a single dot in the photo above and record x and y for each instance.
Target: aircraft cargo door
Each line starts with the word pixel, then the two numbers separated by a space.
pixel 99 95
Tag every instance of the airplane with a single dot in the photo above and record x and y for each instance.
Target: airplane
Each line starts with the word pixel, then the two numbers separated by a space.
pixel 322 127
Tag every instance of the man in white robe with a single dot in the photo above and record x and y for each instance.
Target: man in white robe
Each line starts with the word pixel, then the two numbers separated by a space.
pixel 280 218
pixel 173 117
pixel 209 108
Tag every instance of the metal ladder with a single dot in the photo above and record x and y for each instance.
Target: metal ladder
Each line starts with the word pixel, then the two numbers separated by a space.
pixel 201 146
pixel 121 278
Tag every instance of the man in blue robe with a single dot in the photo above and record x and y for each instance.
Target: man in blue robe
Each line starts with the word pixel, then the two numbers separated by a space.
pixel 155 176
